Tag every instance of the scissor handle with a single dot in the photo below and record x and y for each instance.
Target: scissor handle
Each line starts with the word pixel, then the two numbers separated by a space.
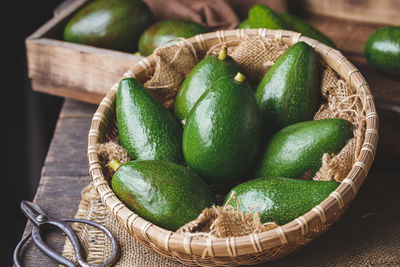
pixel 38 240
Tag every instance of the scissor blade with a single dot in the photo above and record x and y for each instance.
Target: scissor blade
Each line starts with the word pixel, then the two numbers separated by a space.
pixel 34 213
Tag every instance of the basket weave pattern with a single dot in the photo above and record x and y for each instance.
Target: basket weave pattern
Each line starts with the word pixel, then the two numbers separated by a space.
pixel 254 248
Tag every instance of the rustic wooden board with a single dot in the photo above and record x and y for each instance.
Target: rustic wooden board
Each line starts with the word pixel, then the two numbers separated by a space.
pixel 373 210
pixel 73 70
pixel 370 11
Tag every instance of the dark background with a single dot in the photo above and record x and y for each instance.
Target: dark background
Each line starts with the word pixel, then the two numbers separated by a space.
pixel 27 118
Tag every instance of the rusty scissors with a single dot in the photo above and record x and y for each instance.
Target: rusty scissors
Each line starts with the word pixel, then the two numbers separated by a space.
pixel 41 221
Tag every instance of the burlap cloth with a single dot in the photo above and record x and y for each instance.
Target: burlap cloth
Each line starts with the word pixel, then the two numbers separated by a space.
pixel 255 56
pixel 368 234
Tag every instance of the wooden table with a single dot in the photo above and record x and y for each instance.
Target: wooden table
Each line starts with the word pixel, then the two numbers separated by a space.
pixel 65 171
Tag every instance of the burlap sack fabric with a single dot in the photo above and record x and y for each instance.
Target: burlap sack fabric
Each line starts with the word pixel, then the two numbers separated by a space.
pixel 255 55
pixel 341 246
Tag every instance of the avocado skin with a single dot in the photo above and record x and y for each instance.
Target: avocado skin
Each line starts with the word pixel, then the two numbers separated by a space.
pixel 296 151
pixel 167 30
pixel 287 22
pixel 289 91
pixel 199 80
pixel 382 50
pixel 146 129
pixel 261 16
pixel 245 24
pixel 298 25
pixel 281 200
pixel 167 194
pixel 108 24
pixel 223 130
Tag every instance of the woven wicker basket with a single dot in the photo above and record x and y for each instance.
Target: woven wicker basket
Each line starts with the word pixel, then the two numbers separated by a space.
pixel 255 248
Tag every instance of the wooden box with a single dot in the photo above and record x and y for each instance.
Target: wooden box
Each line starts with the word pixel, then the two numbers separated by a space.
pixel 86 73
pixel 71 70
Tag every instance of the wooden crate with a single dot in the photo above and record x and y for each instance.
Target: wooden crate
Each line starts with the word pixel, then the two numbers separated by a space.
pixel 86 73
pixel 71 70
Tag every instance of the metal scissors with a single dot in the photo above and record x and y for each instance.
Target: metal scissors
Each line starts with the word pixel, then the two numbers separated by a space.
pixel 41 221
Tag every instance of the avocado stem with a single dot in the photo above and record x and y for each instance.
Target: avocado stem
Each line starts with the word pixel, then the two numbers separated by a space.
pixel 240 77
pixel 223 53
pixel 115 164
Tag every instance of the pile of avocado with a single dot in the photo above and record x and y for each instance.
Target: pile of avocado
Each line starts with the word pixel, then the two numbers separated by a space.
pixel 125 25
pixel 261 143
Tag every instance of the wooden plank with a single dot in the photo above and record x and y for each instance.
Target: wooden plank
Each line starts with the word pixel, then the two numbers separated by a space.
pixel 67 152
pixel 74 70
pixel 68 92
pixel 370 11
pixel 77 109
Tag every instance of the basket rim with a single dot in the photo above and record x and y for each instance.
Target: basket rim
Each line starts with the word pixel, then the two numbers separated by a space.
pixel 176 245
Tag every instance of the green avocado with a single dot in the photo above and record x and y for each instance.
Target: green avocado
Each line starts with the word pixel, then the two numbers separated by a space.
pixel 167 194
pixel 261 16
pixel 264 17
pixel 245 24
pixel 108 24
pixel 200 78
pixel 296 151
pixel 167 30
pixel 382 50
pixel 293 23
pixel 289 91
pixel 280 200
pixel 146 129
pixel 223 130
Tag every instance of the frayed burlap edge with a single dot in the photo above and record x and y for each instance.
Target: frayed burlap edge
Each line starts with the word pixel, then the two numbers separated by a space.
pixel 226 221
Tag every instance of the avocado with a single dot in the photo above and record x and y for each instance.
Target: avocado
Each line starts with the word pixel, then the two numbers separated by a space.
pixel 167 194
pixel 271 20
pixel 280 200
pixel 200 78
pixel 296 151
pixel 382 50
pixel 223 131
pixel 167 30
pixel 245 24
pixel 108 24
pixel 289 92
pixel 261 16
pixel 146 129
pixel 293 23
